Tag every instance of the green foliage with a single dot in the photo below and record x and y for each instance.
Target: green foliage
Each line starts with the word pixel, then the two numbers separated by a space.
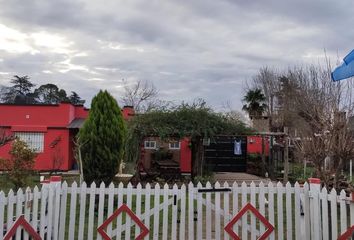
pixel 102 139
pixel 297 172
pixel 20 166
pixel 195 120
pixel 21 93
pixel 50 94
pixel 75 99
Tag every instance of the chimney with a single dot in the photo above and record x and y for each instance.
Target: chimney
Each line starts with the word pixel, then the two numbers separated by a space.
pixel 128 112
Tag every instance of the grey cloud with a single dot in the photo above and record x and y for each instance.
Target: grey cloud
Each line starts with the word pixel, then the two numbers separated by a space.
pixel 188 49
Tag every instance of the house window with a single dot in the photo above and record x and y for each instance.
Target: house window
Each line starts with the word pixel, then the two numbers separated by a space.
pixel 174 145
pixel 150 144
pixel 34 140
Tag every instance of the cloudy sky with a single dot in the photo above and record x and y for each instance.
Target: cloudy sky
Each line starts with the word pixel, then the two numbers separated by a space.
pixel 188 48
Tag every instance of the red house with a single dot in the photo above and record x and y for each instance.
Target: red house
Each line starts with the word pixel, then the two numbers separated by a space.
pixel 49 129
pixel 254 145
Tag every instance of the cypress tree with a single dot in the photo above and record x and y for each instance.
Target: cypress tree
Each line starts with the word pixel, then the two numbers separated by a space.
pixel 102 139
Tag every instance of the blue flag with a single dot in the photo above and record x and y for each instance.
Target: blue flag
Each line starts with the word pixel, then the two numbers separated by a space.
pixel 346 70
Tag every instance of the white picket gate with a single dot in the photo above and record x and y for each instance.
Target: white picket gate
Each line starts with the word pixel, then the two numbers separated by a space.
pixel 184 212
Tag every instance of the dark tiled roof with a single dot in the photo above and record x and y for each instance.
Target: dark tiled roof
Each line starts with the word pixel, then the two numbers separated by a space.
pixel 76 123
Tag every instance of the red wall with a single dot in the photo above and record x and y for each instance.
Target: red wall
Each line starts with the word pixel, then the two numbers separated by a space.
pixel 186 156
pixel 52 120
pixel 254 145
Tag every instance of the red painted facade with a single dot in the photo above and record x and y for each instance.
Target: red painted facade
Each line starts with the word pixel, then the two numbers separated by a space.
pixel 254 145
pixel 54 121
pixel 51 120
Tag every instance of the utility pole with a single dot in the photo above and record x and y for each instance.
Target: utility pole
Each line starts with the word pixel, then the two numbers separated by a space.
pixel 286 156
pixel 263 156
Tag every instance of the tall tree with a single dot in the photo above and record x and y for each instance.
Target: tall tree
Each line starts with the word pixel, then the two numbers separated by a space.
pixel 102 138
pixel 255 103
pixel 75 99
pixel 50 94
pixel 20 91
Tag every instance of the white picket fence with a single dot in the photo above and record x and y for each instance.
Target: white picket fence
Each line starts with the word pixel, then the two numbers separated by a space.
pixel 185 212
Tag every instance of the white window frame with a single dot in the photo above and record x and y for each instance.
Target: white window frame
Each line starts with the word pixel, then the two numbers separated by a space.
pixel 148 144
pixel 171 145
pixel 34 140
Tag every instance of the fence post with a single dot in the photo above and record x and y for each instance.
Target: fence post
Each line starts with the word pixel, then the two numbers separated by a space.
pixel 315 189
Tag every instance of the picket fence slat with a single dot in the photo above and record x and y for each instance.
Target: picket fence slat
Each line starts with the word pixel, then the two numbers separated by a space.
pixel 271 208
pixel 2 213
pixel 351 208
pixel 174 213
pixel 289 218
pixel 226 209
pixel 235 198
pixel 253 218
pixel 19 197
pixel 119 203
pixel 297 212
pixel 72 220
pixel 56 210
pixel 208 212
pixel 128 220
pixel 138 207
pixel 334 226
pixel 147 208
pixel 90 222
pixel 190 211
pixel 82 210
pixel 199 213
pixel 343 212
pixel 100 207
pixel 324 214
pixel 182 226
pixel 261 201
pixel 165 212
pixel 307 217
pixel 217 213
pixel 43 220
pixel 27 209
pixel 64 191
pixel 156 211
pixel 244 217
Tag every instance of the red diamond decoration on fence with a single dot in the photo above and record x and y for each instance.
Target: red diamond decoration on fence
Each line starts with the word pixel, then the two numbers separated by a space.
pixel 126 209
pixel 348 234
pixel 21 221
pixel 249 207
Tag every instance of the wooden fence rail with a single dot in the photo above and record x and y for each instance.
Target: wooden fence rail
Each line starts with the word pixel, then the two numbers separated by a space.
pixel 213 211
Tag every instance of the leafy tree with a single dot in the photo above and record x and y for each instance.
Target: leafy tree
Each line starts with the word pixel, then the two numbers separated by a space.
pixel 195 120
pixel 20 91
pixel 102 139
pixel 50 94
pixel 255 103
pixel 20 166
pixel 75 99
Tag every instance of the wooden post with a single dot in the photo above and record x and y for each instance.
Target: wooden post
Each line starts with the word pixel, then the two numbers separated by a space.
pixel 263 157
pixel 286 156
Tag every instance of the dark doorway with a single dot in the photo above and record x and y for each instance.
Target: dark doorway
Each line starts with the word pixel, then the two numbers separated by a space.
pixel 226 154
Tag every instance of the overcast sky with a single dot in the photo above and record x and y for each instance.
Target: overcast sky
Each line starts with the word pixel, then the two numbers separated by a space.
pixel 188 48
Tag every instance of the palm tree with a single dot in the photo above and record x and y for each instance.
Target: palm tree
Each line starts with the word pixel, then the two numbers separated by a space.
pixel 255 103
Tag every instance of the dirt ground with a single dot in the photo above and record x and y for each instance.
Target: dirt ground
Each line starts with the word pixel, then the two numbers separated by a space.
pixel 239 177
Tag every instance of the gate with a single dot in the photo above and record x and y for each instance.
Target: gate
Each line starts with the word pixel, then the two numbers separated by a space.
pixel 210 211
